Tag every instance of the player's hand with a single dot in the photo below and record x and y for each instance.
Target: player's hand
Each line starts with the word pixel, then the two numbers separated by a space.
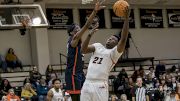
pixel 94 29
pixel 127 12
pixel 98 5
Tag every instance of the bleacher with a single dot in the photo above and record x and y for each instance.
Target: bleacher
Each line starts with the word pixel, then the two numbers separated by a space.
pixel 17 77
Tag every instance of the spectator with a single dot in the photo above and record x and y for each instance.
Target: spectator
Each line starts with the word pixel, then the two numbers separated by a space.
pixel 3 63
pixel 122 74
pixel 50 73
pixel 5 86
pixel 160 69
pixel 177 93
pixel 135 75
pixel 124 97
pixel 35 76
pixel 141 72
pixel 50 85
pixel 28 93
pixel 171 97
pixel 159 94
pixel 11 96
pixel 151 72
pixel 42 90
pixel 26 80
pixel 12 60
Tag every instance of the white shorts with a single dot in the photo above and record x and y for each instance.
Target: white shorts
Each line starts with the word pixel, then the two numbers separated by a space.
pixel 95 90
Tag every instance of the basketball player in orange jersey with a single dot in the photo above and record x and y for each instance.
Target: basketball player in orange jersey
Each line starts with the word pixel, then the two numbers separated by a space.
pixel 103 59
pixel 74 75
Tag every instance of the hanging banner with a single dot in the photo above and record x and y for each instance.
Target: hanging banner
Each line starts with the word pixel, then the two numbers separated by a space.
pixel 117 22
pixel 85 13
pixel 173 17
pixel 151 18
pixel 59 18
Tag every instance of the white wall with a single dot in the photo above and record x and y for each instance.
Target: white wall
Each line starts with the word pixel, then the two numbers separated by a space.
pixel 158 43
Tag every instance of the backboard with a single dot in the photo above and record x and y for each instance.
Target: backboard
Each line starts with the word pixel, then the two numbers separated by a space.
pixel 12 16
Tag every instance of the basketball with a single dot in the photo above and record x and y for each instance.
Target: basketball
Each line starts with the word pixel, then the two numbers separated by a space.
pixel 119 7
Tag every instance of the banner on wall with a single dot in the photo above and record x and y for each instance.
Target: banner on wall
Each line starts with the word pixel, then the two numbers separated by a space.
pixel 173 17
pixel 151 18
pixel 85 13
pixel 59 18
pixel 5 17
pixel 117 22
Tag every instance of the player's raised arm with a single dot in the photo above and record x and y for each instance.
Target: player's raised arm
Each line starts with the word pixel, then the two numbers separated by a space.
pixel 86 48
pixel 124 34
pixel 79 34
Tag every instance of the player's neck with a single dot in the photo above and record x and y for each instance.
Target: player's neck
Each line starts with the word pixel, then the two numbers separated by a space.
pixel 56 89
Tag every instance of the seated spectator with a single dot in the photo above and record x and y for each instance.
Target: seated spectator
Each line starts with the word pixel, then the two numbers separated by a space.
pixel 4 98
pixel 12 60
pixel 42 90
pixel 159 94
pixel 3 64
pixel 151 72
pixel 11 96
pixel 124 97
pixel 26 80
pixel 5 86
pixel 135 75
pixel 122 74
pixel 28 93
pixel 35 76
pixel 177 93
pixel 160 69
pixel 50 85
pixel 141 72
pixel 114 98
pixel 171 97
pixel 49 73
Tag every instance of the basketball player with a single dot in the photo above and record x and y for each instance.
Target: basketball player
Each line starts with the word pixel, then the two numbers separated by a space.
pixel 55 93
pixel 74 75
pixel 102 61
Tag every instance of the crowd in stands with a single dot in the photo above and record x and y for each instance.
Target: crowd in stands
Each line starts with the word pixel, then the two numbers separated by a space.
pixel 156 84
pixel 35 87
pixel 10 60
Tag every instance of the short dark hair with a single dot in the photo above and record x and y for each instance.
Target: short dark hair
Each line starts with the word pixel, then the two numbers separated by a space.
pixel 117 36
pixel 54 80
pixel 71 28
pixel 151 67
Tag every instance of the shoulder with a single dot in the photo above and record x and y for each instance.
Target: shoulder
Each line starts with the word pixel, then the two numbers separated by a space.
pixel 50 92
pixel 97 45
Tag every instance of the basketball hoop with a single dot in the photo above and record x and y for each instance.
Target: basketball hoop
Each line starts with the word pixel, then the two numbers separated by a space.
pixel 22 16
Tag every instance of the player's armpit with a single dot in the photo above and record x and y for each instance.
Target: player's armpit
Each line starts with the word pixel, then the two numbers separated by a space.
pixel 89 49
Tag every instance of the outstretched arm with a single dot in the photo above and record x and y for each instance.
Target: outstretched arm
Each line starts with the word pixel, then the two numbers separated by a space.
pixel 124 34
pixel 79 34
pixel 86 48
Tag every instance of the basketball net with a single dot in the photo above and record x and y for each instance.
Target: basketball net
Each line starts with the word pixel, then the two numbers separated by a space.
pixel 89 1
pixel 26 23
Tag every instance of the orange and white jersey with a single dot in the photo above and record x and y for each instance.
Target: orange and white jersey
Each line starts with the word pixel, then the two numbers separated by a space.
pixel 101 62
